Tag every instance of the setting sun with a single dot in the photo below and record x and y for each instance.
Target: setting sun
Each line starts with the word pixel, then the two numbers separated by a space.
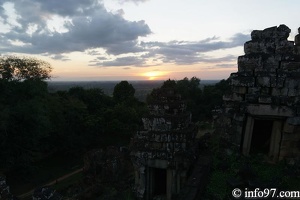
pixel 153 75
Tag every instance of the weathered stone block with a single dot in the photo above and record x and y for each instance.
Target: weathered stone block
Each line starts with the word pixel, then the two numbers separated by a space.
pixel 256 35
pixel 288 56
pixel 269 33
pixel 233 75
pixel 249 63
pixel 263 109
pixel 276 100
pixel 281 73
pixel 263 81
pixel 283 32
pixel 275 92
pixel 265 91
pixel 239 117
pixel 254 90
pixel 284 47
pixel 252 47
pixel 288 128
pixel 279 91
pixel 243 81
pixel 297 50
pixel 271 63
pixel 251 98
pixel 246 73
pixel 265 99
pixel 265 74
pixel 293 83
pixel 290 66
pixel 288 137
pixel 239 90
pixel 268 47
pixel 293 92
pixel 286 100
pixel 294 121
pixel 280 82
pixel 273 82
pixel 259 69
pixel 233 97
pixel 227 97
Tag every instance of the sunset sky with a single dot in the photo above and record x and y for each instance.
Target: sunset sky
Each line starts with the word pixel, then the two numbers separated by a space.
pixel 138 39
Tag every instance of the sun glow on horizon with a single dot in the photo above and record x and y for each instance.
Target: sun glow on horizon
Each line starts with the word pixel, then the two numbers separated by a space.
pixel 154 75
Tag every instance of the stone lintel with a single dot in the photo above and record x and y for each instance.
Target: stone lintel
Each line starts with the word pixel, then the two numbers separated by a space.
pixel 158 163
pixel 265 99
pixel 268 110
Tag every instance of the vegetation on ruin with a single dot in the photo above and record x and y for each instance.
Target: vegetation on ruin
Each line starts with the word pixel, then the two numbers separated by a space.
pixel 232 170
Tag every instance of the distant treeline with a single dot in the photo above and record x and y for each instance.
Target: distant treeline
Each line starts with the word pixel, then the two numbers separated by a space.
pixel 142 88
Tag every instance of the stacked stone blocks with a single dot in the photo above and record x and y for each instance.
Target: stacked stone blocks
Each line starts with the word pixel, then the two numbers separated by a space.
pixel 267 81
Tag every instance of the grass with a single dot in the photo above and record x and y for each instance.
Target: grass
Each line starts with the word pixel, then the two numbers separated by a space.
pixel 265 172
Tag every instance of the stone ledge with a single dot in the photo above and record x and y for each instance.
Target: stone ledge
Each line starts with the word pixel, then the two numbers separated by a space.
pixel 268 110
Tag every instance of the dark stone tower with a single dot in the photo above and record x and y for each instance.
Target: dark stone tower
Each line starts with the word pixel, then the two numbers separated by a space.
pixel 161 151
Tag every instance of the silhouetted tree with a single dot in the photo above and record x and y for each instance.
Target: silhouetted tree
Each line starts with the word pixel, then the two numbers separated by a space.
pixel 15 68
pixel 123 91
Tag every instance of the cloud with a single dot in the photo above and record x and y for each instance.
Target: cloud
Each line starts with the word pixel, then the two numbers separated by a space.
pixel 88 25
pixel 132 1
pixel 59 57
pixel 120 62
pixel 191 52
pixel 225 65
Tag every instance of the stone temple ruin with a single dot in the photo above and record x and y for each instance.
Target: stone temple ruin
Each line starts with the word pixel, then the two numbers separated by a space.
pixel 263 110
pixel 162 152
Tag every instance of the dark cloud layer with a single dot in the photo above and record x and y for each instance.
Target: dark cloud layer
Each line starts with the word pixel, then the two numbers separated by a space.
pixel 191 52
pixel 88 27
pixel 123 61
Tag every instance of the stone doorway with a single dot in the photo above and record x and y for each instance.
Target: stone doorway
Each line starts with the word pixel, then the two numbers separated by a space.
pixel 261 136
pixel 159 183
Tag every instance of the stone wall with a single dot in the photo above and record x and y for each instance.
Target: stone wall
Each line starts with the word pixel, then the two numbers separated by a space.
pixel 267 86
pixel 165 143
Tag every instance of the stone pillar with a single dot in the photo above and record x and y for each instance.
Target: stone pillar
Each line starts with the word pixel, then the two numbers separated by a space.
pixel 275 140
pixel 248 135
pixel 178 182
pixel 169 184
pixel 142 183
